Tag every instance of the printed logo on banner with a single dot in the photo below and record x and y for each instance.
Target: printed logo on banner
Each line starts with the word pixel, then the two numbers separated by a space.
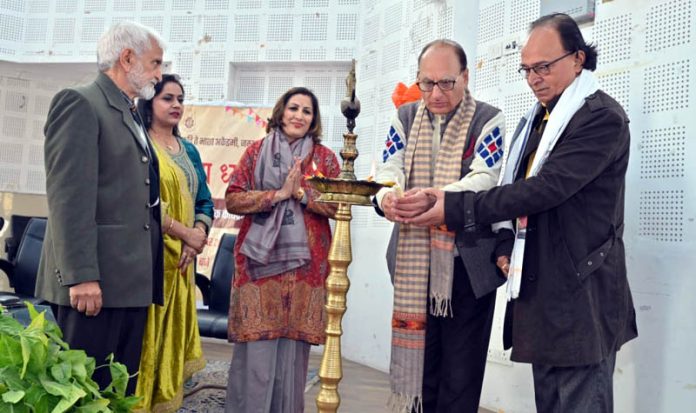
pixel 491 147
pixel 393 144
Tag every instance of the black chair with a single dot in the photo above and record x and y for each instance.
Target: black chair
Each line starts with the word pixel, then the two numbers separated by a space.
pixel 21 271
pixel 17 226
pixel 212 322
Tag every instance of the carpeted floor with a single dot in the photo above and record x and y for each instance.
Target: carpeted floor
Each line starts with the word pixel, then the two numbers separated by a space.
pixel 205 392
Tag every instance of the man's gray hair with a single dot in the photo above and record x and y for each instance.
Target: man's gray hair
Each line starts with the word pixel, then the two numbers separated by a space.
pixel 124 35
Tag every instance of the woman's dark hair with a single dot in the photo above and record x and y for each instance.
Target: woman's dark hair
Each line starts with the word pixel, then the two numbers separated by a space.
pixel 571 36
pixel 145 106
pixel 458 50
pixel 276 120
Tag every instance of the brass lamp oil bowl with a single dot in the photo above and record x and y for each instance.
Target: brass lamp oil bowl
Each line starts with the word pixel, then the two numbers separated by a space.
pixel 347 191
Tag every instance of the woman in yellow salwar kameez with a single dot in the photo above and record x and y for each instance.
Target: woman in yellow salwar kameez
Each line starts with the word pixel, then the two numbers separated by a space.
pixel 171 344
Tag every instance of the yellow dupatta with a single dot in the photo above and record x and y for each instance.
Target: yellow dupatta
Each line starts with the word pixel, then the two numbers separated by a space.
pixel 171 344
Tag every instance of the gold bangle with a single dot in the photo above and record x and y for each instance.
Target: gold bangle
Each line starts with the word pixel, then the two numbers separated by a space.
pixel 171 224
pixel 202 230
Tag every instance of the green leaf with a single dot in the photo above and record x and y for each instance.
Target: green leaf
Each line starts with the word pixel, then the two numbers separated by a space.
pixel 122 404
pixel 13 396
pixel 79 371
pixel 61 372
pixel 57 339
pixel 79 362
pixel 74 394
pixel 90 386
pixel 10 326
pixel 89 366
pixel 57 389
pixel 10 351
pixel 119 376
pixel 73 356
pixel 10 376
pixel 26 354
pixel 32 310
pixel 39 373
pixel 36 329
pixel 38 359
pixel 13 408
pixel 95 406
pixel 39 399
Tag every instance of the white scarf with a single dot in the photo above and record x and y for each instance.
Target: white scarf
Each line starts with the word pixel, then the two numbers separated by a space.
pixel 572 99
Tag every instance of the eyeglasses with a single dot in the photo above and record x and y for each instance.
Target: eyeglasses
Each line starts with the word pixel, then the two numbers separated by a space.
pixel 542 69
pixel 429 85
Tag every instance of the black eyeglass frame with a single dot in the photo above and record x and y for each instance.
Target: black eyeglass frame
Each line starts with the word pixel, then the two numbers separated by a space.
pixel 542 69
pixel 439 84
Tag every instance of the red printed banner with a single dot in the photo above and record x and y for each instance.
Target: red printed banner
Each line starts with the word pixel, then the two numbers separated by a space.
pixel 221 134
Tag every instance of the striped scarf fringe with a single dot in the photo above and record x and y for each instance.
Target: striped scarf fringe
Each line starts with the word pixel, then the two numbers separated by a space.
pixel 402 403
pixel 425 256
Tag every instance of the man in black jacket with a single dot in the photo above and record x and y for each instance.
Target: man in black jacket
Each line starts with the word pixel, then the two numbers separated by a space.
pixel 563 185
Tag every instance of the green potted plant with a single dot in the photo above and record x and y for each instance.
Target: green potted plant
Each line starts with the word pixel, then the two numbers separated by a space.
pixel 40 373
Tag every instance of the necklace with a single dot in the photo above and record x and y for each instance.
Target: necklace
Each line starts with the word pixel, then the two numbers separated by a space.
pixel 170 147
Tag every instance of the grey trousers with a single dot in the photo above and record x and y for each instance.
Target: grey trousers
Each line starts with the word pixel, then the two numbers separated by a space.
pixel 581 389
pixel 267 377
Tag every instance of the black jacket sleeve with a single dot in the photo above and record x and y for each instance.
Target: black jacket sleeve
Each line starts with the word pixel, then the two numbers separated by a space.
pixel 586 149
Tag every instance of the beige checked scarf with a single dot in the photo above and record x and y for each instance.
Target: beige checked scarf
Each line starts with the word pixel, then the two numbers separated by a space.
pixel 424 251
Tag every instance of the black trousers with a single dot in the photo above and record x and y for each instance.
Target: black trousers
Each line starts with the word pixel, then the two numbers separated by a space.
pixel 114 330
pixel 456 349
pixel 577 389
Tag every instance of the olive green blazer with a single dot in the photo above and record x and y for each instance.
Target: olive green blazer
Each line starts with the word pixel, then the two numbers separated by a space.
pixel 98 188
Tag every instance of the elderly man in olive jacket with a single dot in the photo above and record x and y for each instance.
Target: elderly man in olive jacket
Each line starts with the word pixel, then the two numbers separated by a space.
pixel 101 265
pixel 563 185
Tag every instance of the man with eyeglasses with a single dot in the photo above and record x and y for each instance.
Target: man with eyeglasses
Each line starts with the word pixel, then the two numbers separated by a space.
pixel 444 282
pixel 563 186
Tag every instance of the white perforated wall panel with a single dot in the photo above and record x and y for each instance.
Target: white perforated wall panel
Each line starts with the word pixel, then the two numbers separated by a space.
pixel 11 28
pixel 24 104
pixel 91 6
pixel 667 86
pixel 669 24
pixel 614 39
pixel 646 62
pixel 663 152
pixel 263 85
pixel 314 26
pixel 69 6
pixel 13 5
pixel 155 22
pixel 204 38
pixel 346 26
pixel 39 6
pixel 280 27
pixel 181 29
pixel 521 13
pixel 92 28
pixel 246 28
pixel 153 5
pixel 489 22
pixel 122 5
pixel 35 31
pixel 215 28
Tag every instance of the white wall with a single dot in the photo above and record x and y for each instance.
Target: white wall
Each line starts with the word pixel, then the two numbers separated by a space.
pixel 647 62
pixel 222 49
